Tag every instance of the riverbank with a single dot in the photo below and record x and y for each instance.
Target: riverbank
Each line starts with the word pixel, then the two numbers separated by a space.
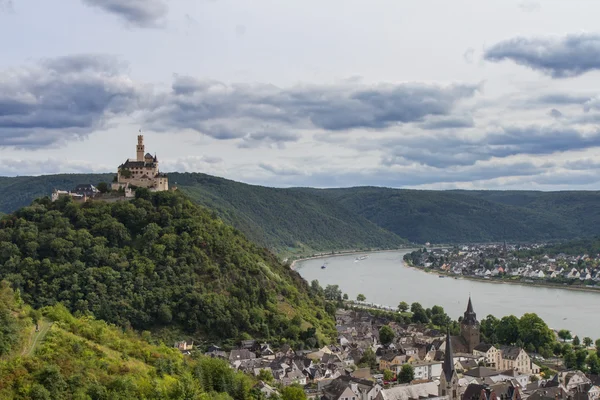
pixel 500 282
pixel 345 253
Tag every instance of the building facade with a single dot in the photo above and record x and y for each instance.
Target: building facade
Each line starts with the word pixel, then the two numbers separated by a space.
pixel 141 172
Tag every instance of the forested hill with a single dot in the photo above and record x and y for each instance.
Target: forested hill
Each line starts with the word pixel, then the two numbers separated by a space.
pixel 303 220
pixel 473 216
pixel 285 221
pixel 158 260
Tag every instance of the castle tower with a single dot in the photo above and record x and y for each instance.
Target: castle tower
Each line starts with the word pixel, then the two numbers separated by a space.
pixel 469 328
pixel 140 148
pixel 448 379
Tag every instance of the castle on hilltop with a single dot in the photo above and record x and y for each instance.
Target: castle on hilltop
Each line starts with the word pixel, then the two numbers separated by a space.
pixel 141 172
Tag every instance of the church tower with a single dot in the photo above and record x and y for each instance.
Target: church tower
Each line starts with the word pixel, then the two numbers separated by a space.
pixel 469 328
pixel 140 148
pixel 448 378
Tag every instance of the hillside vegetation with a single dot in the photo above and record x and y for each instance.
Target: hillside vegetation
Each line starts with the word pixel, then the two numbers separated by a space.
pixel 300 221
pixel 157 261
pixel 286 222
pixel 472 216
pixel 83 358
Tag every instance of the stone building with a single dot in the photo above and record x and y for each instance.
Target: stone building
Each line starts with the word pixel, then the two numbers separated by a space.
pixel 469 328
pixel 141 172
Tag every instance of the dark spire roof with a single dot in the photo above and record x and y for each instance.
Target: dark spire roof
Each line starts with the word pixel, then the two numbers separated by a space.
pixel 470 317
pixel 448 365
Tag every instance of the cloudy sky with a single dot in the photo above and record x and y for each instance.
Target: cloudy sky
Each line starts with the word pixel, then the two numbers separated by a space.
pixel 423 94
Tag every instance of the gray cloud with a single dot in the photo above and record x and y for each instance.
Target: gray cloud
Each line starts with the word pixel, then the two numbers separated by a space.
pixel 14 167
pixel 562 98
pixel 238 109
pixel 448 122
pixel 442 151
pixel 391 177
pixel 62 99
pixel 278 139
pixel 560 57
pixel 554 113
pixel 140 13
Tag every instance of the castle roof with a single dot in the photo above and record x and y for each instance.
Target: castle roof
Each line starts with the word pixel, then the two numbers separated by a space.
pixel 137 164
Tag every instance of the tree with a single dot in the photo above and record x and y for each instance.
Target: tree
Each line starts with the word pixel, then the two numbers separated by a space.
pixel 345 296
pixel 360 297
pixel 419 314
pixel 576 341
pixel 507 330
pixel 386 335
pixel 407 374
pixel 102 187
pixel 532 329
pixel 368 359
pixel 333 292
pixel 403 306
pixel 265 376
pixel 388 375
pixel 593 363
pixel 293 392
pixel 564 335
pixel 587 341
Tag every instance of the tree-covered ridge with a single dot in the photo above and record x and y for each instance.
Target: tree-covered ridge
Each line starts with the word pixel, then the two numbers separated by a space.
pixel 472 216
pixel 158 260
pixel 304 220
pixel 285 220
pixel 581 247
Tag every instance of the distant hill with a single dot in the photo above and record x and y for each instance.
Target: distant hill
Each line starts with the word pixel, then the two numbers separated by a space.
pixel 304 220
pixel 282 220
pixel 157 261
pixel 472 216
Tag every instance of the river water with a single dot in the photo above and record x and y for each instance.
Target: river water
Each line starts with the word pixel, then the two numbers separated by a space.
pixel 384 279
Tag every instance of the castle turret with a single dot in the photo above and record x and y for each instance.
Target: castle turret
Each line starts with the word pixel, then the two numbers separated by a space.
pixel 140 148
pixel 448 379
pixel 469 328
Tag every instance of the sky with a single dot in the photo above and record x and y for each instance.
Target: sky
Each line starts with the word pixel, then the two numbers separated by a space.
pixel 409 94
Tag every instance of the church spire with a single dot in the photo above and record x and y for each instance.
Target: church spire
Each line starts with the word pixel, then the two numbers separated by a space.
pixel 448 365
pixel 470 318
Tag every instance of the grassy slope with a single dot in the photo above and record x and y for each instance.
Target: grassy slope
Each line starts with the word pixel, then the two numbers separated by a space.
pixel 86 358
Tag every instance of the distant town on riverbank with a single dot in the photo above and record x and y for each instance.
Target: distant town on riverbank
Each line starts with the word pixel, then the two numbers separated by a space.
pixel 570 264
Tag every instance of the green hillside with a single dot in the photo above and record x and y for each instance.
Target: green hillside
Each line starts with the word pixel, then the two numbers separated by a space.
pixel 84 358
pixel 285 221
pixel 472 216
pixel 156 261
pixel 299 221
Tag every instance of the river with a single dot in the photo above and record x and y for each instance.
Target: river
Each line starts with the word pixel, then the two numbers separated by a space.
pixel 384 279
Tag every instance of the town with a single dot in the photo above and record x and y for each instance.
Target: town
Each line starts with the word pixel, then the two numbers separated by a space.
pixel 377 358
pixel 527 263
